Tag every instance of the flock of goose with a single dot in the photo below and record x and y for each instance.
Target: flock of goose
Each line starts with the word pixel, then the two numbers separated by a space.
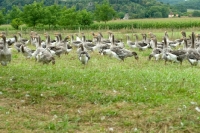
pixel 45 50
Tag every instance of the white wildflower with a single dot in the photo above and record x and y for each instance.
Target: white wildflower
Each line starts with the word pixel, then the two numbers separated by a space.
pixel 110 129
pixel 197 109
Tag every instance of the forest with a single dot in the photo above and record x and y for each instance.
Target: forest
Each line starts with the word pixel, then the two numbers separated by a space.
pixel 53 12
pixel 135 8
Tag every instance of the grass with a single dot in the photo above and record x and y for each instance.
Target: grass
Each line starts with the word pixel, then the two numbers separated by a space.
pixel 106 95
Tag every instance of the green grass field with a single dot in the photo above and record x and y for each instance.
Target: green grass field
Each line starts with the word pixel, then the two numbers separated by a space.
pixel 106 95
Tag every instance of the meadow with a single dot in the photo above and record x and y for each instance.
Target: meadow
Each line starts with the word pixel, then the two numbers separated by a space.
pixel 106 95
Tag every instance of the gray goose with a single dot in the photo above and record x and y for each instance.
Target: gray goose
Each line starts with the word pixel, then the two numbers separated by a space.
pixel 141 45
pixel 26 52
pixel 156 52
pixel 17 43
pixel 88 45
pixel 43 55
pixel 189 40
pixel 84 57
pixel 103 40
pixel 171 43
pixel 145 39
pixel 100 46
pixel 26 41
pixel 39 48
pixel 130 43
pixel 5 53
pixel 192 54
pixel 68 48
pixel 174 56
pixel 118 52
pixel 75 43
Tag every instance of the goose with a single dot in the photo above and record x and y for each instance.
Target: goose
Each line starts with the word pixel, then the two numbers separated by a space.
pixel 197 42
pixel 156 52
pixel 89 46
pixel 120 43
pixel 171 43
pixel 39 48
pixel 77 37
pixel 99 47
pixel 49 45
pixel 118 52
pixel 192 54
pixel 145 39
pixel 189 41
pixel 26 52
pixel 45 57
pixel 9 41
pixel 174 56
pixel 140 45
pixel 59 48
pixel 104 40
pixel 165 50
pixel 86 40
pixel 68 48
pixel 84 57
pixel 130 43
pixel 17 43
pixel 26 41
pixel 75 43
pixel 5 52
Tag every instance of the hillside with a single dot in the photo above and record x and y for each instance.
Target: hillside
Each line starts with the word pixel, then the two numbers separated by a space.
pixel 172 2
pixel 135 8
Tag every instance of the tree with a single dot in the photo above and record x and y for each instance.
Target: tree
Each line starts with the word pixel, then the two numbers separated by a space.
pixel 68 17
pixel 157 15
pixel 104 12
pixel 15 23
pixel 52 15
pixel 196 14
pixel 85 18
pixel 2 18
pixel 33 14
pixel 14 13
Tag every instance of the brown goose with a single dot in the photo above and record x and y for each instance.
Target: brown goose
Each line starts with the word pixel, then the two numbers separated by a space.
pixel 5 53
